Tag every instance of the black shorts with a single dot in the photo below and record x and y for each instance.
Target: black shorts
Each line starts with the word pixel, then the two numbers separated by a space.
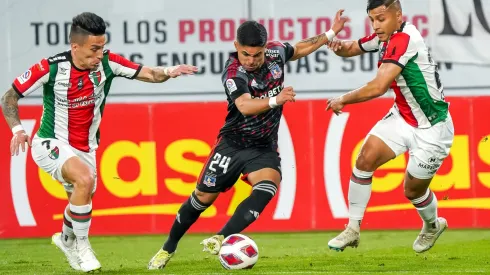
pixel 227 162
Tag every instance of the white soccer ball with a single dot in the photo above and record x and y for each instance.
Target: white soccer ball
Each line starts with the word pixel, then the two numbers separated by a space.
pixel 238 252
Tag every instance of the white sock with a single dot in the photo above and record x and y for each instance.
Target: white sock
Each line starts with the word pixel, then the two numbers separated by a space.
pixel 427 208
pixel 359 194
pixel 67 236
pixel 81 216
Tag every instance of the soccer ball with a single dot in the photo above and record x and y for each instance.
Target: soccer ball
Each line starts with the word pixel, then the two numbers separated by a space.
pixel 238 252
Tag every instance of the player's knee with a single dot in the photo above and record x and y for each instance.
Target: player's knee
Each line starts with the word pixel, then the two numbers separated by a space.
pixel 206 198
pixel 412 193
pixel 85 183
pixel 366 161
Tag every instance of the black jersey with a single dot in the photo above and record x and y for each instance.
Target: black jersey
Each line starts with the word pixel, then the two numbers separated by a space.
pixel 258 130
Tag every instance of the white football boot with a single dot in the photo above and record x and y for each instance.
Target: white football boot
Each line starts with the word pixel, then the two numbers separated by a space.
pixel 70 252
pixel 426 240
pixel 86 256
pixel 348 237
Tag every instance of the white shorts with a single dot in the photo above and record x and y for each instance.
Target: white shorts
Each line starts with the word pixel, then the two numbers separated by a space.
pixel 50 155
pixel 427 147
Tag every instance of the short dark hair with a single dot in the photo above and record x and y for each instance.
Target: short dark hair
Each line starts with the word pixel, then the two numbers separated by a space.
pixel 372 4
pixel 252 34
pixel 87 23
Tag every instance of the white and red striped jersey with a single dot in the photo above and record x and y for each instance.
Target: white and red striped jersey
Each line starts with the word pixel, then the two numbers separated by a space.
pixel 73 99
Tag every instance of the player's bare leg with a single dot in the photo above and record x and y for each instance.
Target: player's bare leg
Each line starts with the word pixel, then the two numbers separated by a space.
pixel 265 182
pixel 188 214
pixel 424 200
pixel 76 172
pixel 374 153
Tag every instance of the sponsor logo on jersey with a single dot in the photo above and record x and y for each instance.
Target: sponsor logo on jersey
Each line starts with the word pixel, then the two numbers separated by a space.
pixel 241 69
pixel 57 58
pixel 230 84
pixel 271 93
pixel 254 84
pixel 40 66
pixel 80 83
pixel 62 71
pixel 24 77
pixel 272 53
pixel 63 84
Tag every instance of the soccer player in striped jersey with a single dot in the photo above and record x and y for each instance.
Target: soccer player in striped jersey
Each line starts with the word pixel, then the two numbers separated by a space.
pixel 419 121
pixel 75 85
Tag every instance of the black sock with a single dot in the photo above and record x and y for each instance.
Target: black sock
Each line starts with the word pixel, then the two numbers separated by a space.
pixel 188 214
pixel 250 208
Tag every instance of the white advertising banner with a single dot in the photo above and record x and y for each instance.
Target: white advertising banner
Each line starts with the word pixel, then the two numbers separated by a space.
pixel 161 32
pixel 461 30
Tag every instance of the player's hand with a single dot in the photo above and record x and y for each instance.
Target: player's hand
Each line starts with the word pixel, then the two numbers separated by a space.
pixel 179 70
pixel 286 95
pixel 336 105
pixel 334 45
pixel 19 139
pixel 339 21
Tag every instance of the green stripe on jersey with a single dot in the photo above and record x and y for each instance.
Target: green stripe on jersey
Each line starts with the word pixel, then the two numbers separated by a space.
pixel 109 74
pixel 46 130
pixel 434 110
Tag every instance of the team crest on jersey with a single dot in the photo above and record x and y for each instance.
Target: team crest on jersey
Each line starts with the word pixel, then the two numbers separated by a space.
pixel 55 153
pixel 96 78
pixel 275 70
pixel 209 181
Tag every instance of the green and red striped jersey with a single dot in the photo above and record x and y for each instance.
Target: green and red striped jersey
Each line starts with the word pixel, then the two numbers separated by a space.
pixel 73 99
pixel 419 95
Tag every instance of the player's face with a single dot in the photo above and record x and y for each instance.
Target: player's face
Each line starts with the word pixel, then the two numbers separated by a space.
pixel 385 21
pixel 251 58
pixel 89 53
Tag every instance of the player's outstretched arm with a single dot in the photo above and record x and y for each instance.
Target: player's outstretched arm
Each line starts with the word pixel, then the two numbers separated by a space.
pixel 162 74
pixel 377 87
pixel 250 107
pixel 309 45
pixel 10 109
pixel 345 48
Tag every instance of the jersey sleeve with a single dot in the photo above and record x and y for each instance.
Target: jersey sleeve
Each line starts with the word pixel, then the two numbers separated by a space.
pixel 369 43
pixel 123 67
pixel 35 77
pixel 235 82
pixel 286 51
pixel 400 50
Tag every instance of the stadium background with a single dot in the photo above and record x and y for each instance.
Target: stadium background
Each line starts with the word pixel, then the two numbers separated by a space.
pixel 155 137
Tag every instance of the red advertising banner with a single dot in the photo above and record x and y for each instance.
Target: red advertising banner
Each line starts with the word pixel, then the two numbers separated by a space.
pixel 151 155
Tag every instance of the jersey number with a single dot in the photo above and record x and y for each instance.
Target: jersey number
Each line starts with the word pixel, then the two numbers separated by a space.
pixel 222 161
pixel 47 144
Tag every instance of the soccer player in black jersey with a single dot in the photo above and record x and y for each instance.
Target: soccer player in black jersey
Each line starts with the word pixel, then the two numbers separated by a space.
pixel 247 144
